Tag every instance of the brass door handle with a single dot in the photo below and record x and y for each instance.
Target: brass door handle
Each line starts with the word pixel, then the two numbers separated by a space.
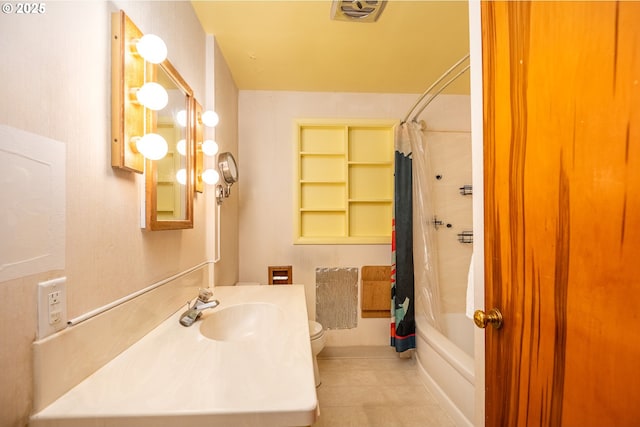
pixel 493 317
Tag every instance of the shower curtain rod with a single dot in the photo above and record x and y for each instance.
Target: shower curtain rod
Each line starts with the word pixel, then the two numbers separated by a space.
pixel 436 83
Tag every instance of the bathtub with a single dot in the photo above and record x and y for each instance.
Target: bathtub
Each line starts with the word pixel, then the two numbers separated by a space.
pixel 447 368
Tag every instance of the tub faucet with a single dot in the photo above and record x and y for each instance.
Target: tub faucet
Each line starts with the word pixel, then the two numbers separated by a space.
pixel 202 303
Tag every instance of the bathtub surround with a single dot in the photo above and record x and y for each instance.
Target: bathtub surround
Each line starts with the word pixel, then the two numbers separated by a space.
pixel 450 152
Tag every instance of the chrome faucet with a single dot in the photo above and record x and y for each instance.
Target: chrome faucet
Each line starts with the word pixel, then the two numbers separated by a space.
pixel 202 303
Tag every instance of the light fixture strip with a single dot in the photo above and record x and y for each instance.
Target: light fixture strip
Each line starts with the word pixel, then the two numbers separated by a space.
pixel 198 133
pixel 127 68
pixel 144 116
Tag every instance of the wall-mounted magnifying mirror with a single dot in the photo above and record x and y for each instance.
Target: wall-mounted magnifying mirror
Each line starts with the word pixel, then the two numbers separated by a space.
pixel 170 180
pixel 229 171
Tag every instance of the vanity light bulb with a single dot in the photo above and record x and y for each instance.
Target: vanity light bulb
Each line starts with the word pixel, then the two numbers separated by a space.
pixel 181 146
pixel 210 176
pixel 209 147
pixel 181 118
pixel 152 48
pixel 152 96
pixel 181 176
pixel 210 118
pixel 152 146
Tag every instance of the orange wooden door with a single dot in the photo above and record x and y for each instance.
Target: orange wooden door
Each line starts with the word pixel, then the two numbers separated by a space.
pixel 562 212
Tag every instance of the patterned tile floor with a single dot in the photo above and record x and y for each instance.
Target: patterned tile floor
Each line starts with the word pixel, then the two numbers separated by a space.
pixel 373 387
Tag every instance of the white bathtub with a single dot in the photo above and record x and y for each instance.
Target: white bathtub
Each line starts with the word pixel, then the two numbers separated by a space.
pixel 446 368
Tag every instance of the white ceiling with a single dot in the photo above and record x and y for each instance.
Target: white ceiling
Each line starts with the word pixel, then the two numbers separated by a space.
pixel 294 45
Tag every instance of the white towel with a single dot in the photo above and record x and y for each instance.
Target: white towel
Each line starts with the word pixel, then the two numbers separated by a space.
pixel 470 291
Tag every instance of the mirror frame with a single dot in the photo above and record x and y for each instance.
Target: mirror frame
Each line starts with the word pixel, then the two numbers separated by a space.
pixel 127 71
pixel 151 168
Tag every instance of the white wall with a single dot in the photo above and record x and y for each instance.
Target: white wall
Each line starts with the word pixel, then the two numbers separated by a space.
pixel 226 135
pixel 56 82
pixel 266 159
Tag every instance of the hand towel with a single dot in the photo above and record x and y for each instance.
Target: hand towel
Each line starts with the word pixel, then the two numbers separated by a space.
pixel 470 291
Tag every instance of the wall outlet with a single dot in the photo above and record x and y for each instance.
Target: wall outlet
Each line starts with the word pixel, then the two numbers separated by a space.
pixel 52 306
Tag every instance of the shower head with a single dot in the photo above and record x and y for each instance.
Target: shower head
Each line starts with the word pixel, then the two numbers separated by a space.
pixel 357 10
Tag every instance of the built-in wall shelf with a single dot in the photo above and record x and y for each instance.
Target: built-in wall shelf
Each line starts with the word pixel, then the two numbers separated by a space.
pixel 344 182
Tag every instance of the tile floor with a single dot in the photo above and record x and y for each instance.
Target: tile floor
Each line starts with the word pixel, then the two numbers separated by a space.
pixel 373 387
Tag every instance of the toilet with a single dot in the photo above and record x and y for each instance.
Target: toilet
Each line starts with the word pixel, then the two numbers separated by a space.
pixel 318 340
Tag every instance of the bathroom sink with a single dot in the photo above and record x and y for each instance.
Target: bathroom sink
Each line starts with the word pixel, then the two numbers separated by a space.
pixel 242 322
pixel 257 339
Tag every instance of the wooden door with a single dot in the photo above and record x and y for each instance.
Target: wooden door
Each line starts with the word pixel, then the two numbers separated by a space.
pixel 562 212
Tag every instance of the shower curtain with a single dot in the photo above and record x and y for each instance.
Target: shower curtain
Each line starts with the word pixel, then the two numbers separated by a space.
pixel 413 256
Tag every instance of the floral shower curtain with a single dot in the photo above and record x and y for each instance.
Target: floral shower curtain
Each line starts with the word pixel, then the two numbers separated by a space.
pixel 413 275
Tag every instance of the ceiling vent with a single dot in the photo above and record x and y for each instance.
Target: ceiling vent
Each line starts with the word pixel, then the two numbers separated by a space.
pixel 357 10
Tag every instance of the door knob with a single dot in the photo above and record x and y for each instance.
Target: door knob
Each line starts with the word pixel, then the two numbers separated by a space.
pixel 493 317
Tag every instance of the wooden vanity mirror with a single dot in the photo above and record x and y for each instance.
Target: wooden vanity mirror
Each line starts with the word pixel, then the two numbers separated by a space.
pixel 170 181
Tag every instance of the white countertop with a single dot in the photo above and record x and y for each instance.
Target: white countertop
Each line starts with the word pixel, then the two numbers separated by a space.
pixel 174 376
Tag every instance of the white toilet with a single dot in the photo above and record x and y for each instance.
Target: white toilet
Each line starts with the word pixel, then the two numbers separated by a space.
pixel 318 340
